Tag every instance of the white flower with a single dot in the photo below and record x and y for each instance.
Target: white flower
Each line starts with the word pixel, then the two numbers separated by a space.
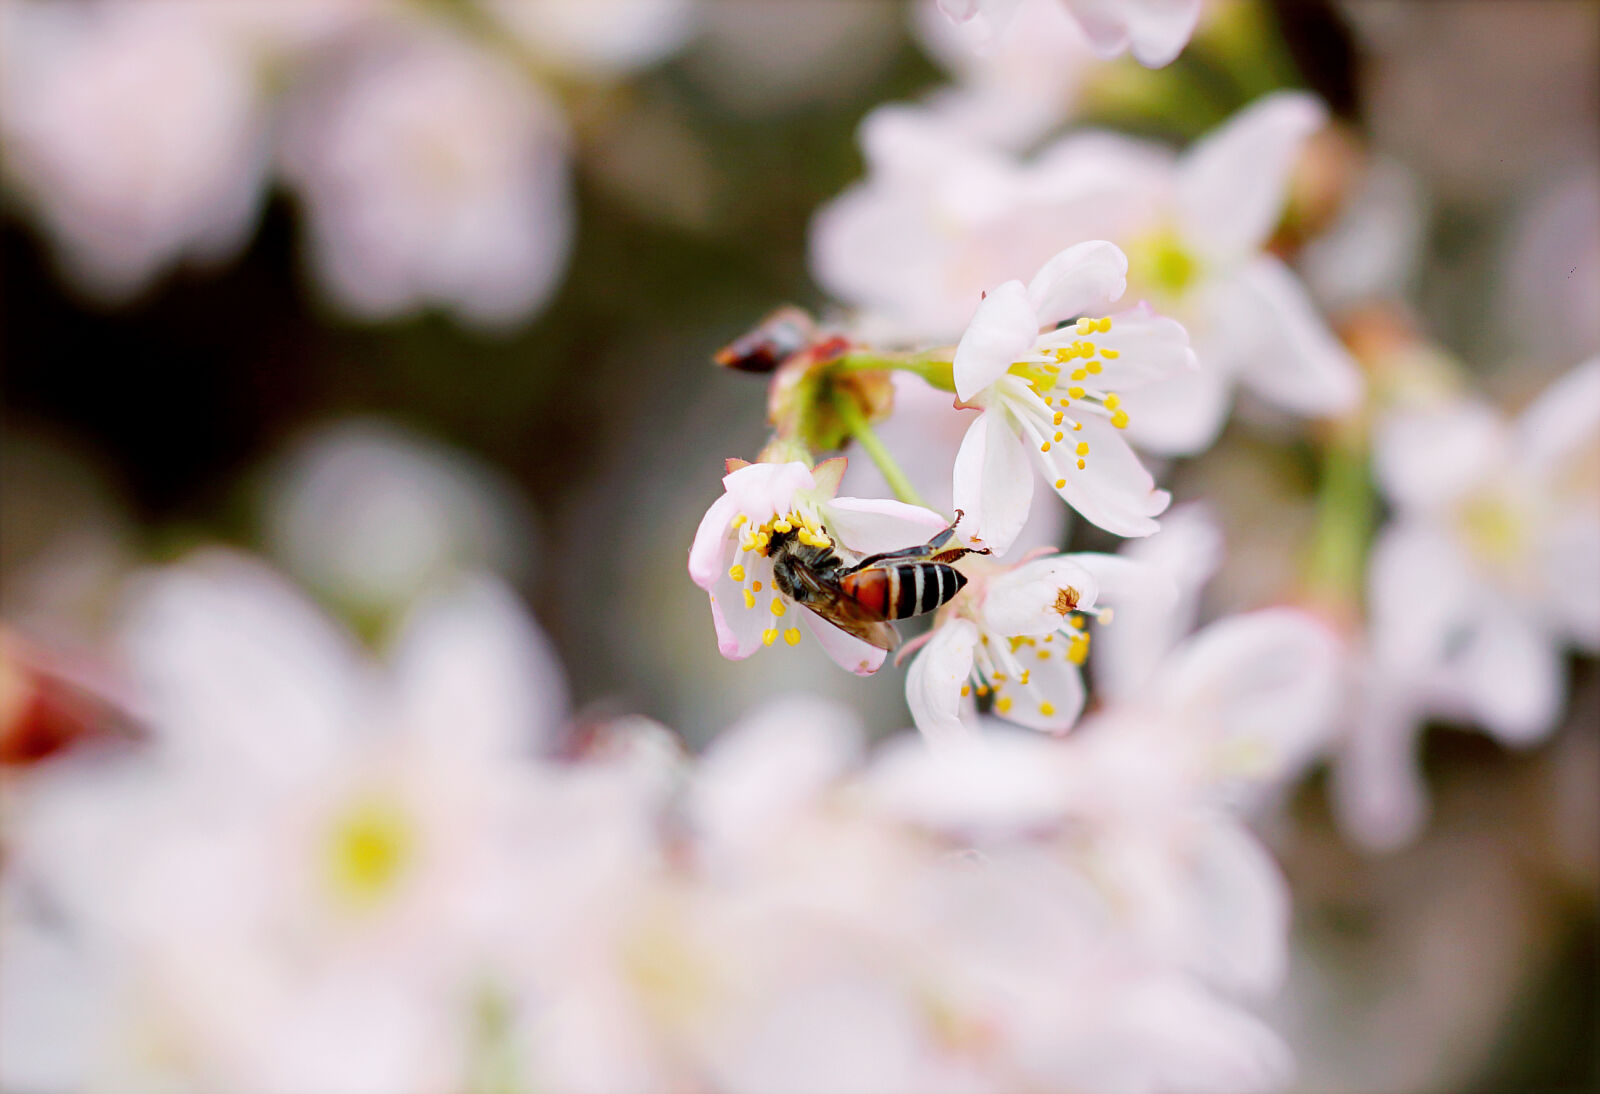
pixel 431 173
pixel 603 39
pixel 1016 635
pixel 1485 575
pixel 136 131
pixel 1154 31
pixel 940 218
pixel 729 559
pixel 288 884
pixel 1055 395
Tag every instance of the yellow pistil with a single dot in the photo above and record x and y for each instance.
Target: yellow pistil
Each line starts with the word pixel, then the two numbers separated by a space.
pixel 371 845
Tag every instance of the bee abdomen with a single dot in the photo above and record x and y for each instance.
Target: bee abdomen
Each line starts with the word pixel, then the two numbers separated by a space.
pixel 904 589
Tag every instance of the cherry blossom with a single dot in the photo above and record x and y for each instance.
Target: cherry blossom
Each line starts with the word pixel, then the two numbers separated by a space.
pixel 729 555
pixel 1054 394
pixel 1154 31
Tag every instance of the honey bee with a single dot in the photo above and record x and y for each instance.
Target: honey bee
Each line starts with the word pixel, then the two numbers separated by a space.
pixel 863 596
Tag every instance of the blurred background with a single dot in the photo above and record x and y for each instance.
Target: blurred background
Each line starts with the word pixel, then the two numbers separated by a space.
pixel 227 351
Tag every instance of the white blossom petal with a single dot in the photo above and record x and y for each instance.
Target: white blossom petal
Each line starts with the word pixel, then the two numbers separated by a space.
pixel 1425 459
pixel 1154 31
pixel 935 679
pixel 1151 348
pixel 870 525
pixel 1421 593
pixel 1509 675
pixel 1028 600
pixel 713 542
pixel 1561 420
pixel 1294 360
pixel 1180 415
pixel 847 651
pixel 472 673
pixel 1240 910
pixel 1231 186
pixel 739 626
pixel 1114 491
pixel 993 486
pixel 1003 329
pixel 1053 697
pixel 1085 279
pixel 1378 792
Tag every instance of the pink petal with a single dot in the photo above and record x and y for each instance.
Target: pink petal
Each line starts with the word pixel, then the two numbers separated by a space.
pixel 846 650
pixel 713 542
pixel 935 679
pixel 870 525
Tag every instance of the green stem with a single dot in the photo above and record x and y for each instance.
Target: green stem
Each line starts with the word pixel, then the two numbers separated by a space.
pixel 934 366
pixel 1346 513
pixel 856 422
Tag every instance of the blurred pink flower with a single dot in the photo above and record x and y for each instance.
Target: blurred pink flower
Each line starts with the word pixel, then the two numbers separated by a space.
pixel 1154 31
pixel 136 131
pixel 432 173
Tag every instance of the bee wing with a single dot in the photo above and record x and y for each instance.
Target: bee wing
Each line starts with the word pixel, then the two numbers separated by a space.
pixel 852 620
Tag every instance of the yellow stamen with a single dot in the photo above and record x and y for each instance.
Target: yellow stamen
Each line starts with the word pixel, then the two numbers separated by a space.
pixel 1082 465
pixel 792 636
pixel 1110 354
pixel 1060 483
pixel 1003 703
pixel 1120 419
pixel 778 606
pixel 1080 374
pixel 749 599
pixel 756 585
pixel 1058 418
pixel 1045 447
pixel 1060 436
pixel 737 572
pixel 966 689
pixel 1046 709
pixel 769 636
pixel 1111 401
pixel 1083 448
pixel 1094 368
pixel 1075 392
pixel 1084 326
pixel 1104 324
pixel 782 526
pixel 739 520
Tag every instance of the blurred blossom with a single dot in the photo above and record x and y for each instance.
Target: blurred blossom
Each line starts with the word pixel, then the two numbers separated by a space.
pixel 1551 273
pixel 778 55
pixel 939 219
pixel 1154 31
pixel 1017 88
pixel 1373 249
pixel 324 872
pixel 367 514
pixel 136 131
pixel 598 39
pixel 1485 575
pixel 432 173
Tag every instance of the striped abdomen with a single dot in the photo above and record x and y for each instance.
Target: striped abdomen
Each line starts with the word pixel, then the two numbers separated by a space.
pixel 902 589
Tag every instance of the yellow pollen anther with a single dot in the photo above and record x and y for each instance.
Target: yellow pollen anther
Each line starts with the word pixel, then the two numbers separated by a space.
pixel 769 636
pixel 1105 616
pixel 1044 655
pixel 1060 483
pixel 1087 350
pixel 1060 436
pixel 1120 419
pixel 1052 369
pixel 782 526
pixel 1045 447
pixel 1080 374
pixel 1094 367
pixel 778 607
pixel 1081 465
pixel 982 690
pixel 966 689
pixel 1076 426
pixel 1023 679
pixel 1078 651
pixel 1076 622
pixel 756 585
pixel 749 599
pixel 1104 324
pixel 1003 703
pixel 1084 326
pixel 1075 392
pixel 792 636
pixel 1083 448
pixel 999 677
pixel 1110 354
pixel 1058 417
pixel 737 572
pixel 1111 401
pixel 739 520
pixel 1046 709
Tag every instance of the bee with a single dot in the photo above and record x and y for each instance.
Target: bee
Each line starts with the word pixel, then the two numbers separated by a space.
pixel 863 596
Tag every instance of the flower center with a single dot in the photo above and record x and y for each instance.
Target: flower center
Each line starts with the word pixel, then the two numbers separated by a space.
pixel 1000 667
pixel 1495 530
pixel 755 542
pixel 370 847
pixel 1162 264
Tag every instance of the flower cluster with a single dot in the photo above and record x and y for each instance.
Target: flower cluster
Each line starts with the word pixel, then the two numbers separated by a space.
pixel 416 874
pixel 431 170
